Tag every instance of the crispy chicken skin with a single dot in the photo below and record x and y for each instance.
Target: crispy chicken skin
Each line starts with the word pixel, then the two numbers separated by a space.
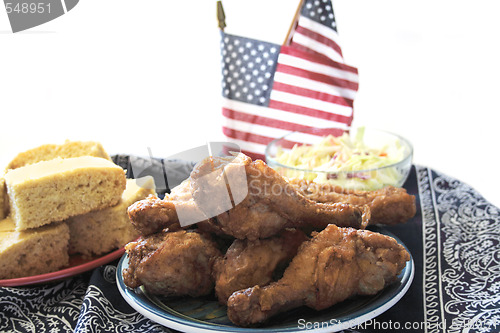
pixel 335 264
pixel 249 263
pixel 172 263
pixel 272 205
pixel 262 202
pixel 153 214
pixel 389 205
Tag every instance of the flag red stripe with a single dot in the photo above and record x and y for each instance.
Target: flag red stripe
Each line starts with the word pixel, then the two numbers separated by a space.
pixel 299 51
pixel 334 81
pixel 313 93
pixel 309 112
pixel 319 38
pixel 292 127
pixel 255 138
pixel 264 121
pixel 245 136
pixel 302 48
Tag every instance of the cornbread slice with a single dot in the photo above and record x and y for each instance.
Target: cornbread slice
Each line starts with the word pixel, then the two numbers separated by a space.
pixel 32 252
pixel 51 151
pixel 55 190
pixel 99 232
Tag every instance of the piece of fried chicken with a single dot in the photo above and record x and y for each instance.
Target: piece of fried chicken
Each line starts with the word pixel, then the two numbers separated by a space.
pixel 249 263
pixel 153 214
pixel 389 205
pixel 172 263
pixel 258 205
pixel 335 264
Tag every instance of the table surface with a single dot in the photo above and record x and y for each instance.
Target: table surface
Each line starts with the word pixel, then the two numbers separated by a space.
pixel 453 240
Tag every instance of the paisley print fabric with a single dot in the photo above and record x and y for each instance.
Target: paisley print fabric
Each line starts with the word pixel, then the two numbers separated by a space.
pixel 461 237
pixel 87 303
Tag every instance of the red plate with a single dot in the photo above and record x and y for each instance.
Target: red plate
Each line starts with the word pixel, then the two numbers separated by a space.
pixel 77 265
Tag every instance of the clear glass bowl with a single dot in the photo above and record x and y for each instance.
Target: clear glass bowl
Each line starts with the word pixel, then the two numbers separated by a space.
pixel 394 174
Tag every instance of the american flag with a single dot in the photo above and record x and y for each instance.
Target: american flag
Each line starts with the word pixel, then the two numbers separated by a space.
pixel 269 89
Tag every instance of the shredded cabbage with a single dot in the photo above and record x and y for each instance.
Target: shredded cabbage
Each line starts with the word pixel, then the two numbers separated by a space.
pixel 345 161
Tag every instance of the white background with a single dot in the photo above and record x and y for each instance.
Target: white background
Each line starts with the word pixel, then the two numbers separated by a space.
pixel 139 74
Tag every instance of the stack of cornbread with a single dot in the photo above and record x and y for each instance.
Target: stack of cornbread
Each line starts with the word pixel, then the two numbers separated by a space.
pixel 56 200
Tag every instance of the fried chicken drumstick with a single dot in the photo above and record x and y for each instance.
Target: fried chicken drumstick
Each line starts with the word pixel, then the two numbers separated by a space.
pixel 262 202
pixel 335 264
pixel 389 205
pixel 154 214
pixel 249 263
pixel 172 263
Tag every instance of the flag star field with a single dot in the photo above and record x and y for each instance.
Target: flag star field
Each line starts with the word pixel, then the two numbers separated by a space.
pixel 248 67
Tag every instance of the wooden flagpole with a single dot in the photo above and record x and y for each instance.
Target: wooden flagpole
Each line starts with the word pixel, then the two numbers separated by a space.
pixel 294 23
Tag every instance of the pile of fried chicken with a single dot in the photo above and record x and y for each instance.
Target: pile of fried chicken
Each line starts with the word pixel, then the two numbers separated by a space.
pixel 274 245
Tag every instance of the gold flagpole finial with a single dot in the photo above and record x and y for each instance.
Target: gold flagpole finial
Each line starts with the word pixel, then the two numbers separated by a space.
pixel 221 17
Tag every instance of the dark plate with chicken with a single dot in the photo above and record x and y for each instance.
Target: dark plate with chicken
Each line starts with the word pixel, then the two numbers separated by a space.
pixel 236 247
pixel 208 314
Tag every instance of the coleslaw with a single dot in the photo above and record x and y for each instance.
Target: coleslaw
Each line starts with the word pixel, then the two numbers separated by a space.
pixel 347 161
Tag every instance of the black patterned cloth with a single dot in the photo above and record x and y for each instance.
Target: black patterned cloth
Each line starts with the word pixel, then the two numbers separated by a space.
pixel 454 240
